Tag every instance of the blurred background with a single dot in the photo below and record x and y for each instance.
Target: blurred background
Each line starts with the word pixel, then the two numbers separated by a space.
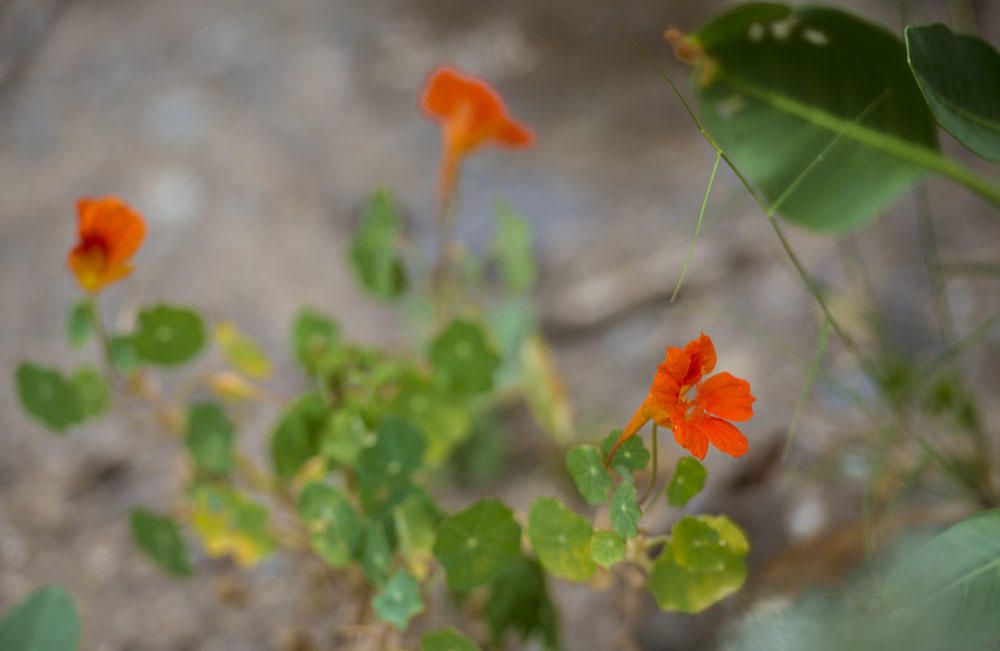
pixel 250 132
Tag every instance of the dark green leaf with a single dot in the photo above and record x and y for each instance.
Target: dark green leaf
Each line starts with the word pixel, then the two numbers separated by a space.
pixel 519 602
pixel 398 451
pixel 80 323
pixel 168 335
pixel 478 544
pixel 447 639
pixel 399 601
pixel 779 85
pixel 959 75
pixel 45 621
pixel 160 538
pixel 625 512
pixel 464 359
pixel 586 466
pixel 210 437
pixel 688 480
pixel 48 396
pixel 375 251
pixel 295 439
pixel 561 539
pixel 443 419
pixel 376 553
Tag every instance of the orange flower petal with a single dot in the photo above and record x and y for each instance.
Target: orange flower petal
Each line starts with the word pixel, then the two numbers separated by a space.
pixel 691 439
pixel 722 434
pixel 676 365
pixel 702 354
pixel 726 396
pixel 118 228
pixel 515 134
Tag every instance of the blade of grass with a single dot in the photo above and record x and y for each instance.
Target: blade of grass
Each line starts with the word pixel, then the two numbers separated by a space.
pixel 697 226
pixel 807 383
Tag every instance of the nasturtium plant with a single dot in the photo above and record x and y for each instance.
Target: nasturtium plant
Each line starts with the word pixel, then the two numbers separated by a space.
pixel 586 467
pixel 625 511
pixel 399 600
pixel 168 335
pixel 416 522
pixel 561 538
pixel 464 359
pixel 478 544
pixel 376 249
pixel 688 480
pixel 376 552
pixel 397 453
pixel 46 620
pixel 520 603
pixel 959 75
pixel 92 392
pixel 702 563
pixel 210 438
pixel 160 538
pixel 607 548
pixel 296 437
pixel 49 396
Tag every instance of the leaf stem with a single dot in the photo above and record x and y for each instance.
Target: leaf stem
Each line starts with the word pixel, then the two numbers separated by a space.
pixel 652 473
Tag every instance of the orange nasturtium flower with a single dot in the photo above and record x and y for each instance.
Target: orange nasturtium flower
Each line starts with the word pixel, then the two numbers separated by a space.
pixel 109 235
pixel 703 418
pixel 471 114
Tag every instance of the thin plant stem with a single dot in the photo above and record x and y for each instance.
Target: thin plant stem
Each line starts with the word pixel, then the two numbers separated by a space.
pixel 697 226
pixel 807 384
pixel 652 472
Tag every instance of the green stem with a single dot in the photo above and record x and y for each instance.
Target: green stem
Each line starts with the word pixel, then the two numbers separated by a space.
pixel 697 226
pixel 652 473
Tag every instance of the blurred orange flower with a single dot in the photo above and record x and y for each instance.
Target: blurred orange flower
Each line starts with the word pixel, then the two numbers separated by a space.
pixel 704 419
pixel 471 114
pixel 109 235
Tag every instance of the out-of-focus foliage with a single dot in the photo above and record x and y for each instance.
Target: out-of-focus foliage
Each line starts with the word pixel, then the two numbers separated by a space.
pixel 46 620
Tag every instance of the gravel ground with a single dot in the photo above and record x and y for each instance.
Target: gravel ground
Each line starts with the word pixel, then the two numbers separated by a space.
pixel 249 133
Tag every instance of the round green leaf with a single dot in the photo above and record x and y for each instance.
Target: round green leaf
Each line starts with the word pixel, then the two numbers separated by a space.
pixel 48 396
pixel 586 467
pixel 561 539
pixel 478 544
pixel 335 528
pixel 632 455
pixel 45 621
pixel 702 564
pixel 959 75
pixel 399 601
pixel 779 85
pixel 168 335
pixel 464 359
pixel 210 437
pixel 607 548
pixel 398 451
pixel 688 480
pixel 447 639
pixel 296 438
pixel 625 512
pixel 160 538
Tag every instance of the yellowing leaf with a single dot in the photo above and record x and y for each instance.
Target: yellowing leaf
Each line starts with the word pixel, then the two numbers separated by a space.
pixel 242 352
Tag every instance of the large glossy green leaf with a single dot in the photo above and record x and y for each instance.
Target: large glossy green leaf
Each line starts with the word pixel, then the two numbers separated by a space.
pixel 45 621
pixel 949 590
pixel 778 85
pixel 959 75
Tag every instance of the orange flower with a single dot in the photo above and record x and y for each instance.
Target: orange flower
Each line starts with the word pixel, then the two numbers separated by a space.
pixel 472 115
pixel 110 233
pixel 704 419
